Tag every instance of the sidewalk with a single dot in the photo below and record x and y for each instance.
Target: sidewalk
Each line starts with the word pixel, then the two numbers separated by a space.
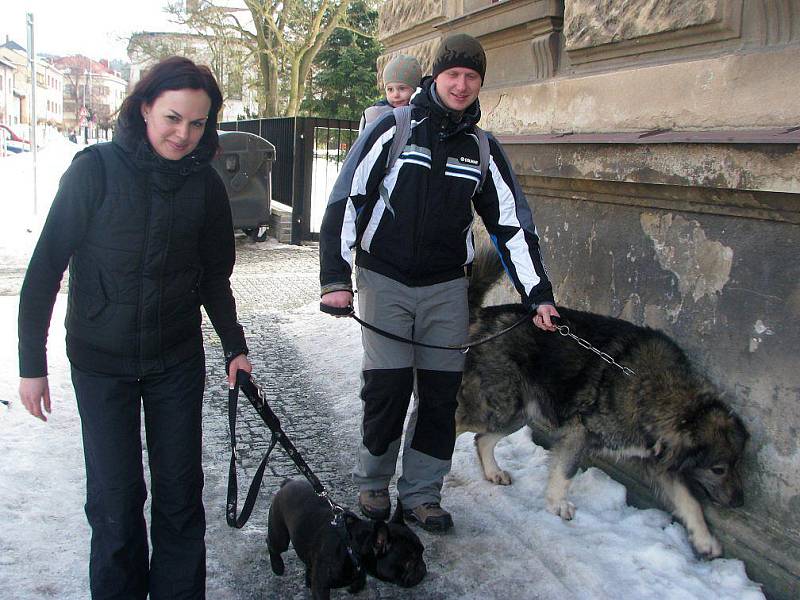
pixel 504 546
pixel 314 392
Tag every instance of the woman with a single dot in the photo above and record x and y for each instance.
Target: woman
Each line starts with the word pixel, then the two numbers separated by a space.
pixel 145 225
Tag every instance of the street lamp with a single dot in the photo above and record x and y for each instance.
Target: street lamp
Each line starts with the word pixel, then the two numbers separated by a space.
pixel 87 78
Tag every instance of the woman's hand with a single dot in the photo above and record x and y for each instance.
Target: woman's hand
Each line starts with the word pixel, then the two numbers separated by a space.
pixel 238 363
pixel 543 316
pixel 35 394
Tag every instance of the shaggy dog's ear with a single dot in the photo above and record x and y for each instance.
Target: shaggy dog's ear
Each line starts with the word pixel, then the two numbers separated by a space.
pixel 689 459
pixel 676 453
pixel 666 450
pixel 660 449
pixel 737 434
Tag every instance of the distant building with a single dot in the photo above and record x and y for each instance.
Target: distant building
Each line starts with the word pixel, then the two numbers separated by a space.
pixel 15 103
pixel 9 106
pixel 93 92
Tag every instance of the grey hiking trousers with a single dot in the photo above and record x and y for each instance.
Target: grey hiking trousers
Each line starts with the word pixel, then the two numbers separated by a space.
pixel 392 371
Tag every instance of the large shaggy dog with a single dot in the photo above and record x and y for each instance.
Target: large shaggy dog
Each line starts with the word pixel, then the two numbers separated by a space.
pixel 666 415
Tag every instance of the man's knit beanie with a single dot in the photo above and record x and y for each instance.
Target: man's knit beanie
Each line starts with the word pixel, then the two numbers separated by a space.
pixel 402 69
pixel 460 50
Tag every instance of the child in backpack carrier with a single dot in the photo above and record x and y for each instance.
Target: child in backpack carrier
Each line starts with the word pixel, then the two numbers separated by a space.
pixel 401 76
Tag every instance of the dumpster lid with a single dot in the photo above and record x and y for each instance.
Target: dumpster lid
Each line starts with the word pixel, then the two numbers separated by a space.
pixel 253 150
pixel 241 141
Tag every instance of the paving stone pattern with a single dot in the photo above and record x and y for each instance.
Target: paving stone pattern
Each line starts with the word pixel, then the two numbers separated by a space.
pixel 269 280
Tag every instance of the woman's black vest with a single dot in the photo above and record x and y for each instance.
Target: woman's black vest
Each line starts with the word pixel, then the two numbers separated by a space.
pixel 134 305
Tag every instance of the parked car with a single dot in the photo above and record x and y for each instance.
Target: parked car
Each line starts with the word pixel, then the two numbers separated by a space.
pixel 14 143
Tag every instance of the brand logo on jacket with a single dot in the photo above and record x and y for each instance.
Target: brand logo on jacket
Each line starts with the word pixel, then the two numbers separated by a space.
pixel 469 161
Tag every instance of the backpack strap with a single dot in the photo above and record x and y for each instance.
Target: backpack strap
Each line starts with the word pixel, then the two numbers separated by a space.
pixel 402 118
pixel 483 153
pixel 97 150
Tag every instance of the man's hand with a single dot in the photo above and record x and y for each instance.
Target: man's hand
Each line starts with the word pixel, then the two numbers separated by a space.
pixel 238 363
pixel 543 316
pixel 338 299
pixel 35 394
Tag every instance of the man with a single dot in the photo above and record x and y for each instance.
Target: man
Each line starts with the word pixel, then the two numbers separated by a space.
pixel 411 229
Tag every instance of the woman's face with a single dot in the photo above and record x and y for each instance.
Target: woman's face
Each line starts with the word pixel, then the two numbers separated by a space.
pixel 175 121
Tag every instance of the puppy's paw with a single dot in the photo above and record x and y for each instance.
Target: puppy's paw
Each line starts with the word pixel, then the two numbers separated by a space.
pixel 706 546
pixel 562 508
pixel 276 562
pixel 498 477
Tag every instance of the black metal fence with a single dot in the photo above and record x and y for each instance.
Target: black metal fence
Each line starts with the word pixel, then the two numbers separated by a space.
pixel 302 144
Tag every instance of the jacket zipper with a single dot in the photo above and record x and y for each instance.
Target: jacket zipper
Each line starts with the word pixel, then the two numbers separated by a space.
pixel 438 143
pixel 145 244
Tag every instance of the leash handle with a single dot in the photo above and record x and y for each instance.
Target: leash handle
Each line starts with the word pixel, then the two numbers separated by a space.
pixel 231 508
pixel 336 311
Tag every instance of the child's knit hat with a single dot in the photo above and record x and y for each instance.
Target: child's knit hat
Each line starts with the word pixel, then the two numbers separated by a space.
pixel 402 69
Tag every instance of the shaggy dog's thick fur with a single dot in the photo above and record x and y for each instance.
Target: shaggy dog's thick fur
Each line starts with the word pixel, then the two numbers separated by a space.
pixel 667 415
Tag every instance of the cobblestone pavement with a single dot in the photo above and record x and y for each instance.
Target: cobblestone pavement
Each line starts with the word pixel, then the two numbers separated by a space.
pixel 270 279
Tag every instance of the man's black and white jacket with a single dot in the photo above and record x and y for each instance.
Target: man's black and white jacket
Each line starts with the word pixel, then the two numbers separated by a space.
pixel 414 223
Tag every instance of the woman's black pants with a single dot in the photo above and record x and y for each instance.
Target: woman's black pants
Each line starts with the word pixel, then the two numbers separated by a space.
pixel 110 410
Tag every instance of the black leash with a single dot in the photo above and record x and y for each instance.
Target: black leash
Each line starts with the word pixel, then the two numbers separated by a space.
pixel 564 330
pixel 254 393
pixel 256 396
pixel 348 311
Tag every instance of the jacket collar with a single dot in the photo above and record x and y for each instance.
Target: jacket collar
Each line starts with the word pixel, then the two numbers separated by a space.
pixel 143 155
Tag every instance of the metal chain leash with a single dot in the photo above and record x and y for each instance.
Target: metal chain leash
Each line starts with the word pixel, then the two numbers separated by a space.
pixel 564 330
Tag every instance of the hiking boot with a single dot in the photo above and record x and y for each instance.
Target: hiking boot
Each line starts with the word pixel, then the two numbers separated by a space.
pixel 374 504
pixel 430 516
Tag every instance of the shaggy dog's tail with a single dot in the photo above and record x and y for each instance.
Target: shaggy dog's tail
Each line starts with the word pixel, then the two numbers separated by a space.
pixel 486 271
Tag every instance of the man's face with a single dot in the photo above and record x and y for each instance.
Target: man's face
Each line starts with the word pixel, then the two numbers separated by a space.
pixel 458 87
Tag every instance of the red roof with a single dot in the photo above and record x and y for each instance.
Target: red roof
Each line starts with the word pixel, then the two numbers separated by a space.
pixel 78 61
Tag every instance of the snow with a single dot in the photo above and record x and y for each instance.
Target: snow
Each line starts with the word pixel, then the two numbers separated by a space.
pixel 505 544
pixel 324 173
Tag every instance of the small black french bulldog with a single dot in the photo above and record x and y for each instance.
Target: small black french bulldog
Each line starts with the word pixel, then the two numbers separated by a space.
pixel 389 551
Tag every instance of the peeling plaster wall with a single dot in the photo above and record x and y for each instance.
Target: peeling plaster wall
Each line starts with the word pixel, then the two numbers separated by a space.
pixel 702 266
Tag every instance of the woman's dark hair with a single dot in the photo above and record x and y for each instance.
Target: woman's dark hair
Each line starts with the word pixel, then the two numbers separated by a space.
pixel 173 73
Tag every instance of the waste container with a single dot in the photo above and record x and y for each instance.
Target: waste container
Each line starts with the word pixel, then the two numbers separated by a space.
pixel 245 165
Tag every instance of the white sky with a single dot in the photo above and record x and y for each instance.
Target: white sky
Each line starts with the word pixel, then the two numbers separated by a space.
pixel 505 545
pixel 94 28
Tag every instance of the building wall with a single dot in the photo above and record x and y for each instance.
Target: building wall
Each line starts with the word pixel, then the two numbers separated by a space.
pixel 8 109
pixel 49 92
pixel 657 143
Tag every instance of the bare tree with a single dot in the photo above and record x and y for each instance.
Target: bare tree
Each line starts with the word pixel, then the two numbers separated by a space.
pixel 282 38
